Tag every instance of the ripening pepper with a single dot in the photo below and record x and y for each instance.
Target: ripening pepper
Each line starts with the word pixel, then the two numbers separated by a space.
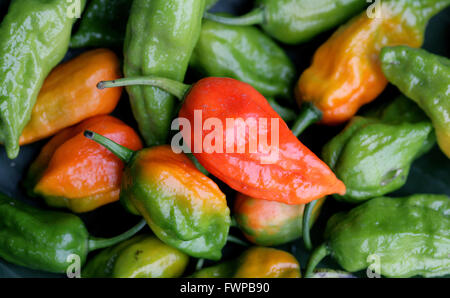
pixel 78 174
pixel 70 95
pixel 270 223
pixel 425 78
pixel 345 72
pixel 284 171
pixel 255 262
pixel 45 240
pixel 183 207
pixel 295 21
pixel 373 156
pixel 34 37
pixel 160 38
pixel 406 237
pixel 246 54
pixel 142 256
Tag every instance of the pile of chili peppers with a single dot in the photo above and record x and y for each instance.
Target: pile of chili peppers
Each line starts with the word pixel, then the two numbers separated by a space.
pixel 218 162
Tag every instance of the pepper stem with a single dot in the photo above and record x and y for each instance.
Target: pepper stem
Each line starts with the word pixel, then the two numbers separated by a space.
pixel 307 224
pixel 254 17
pixel 171 86
pixel 120 151
pixel 236 240
pixel 286 114
pixel 317 256
pixel 309 114
pixel 97 243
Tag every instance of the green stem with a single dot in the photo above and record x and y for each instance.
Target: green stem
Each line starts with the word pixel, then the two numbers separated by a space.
pixel 306 225
pixel 97 243
pixel 254 17
pixel 286 114
pixel 233 239
pixel 317 256
pixel 120 151
pixel 173 87
pixel 309 114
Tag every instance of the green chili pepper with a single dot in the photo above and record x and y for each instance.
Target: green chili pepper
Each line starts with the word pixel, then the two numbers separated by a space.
pixel 102 24
pixel 183 207
pixel 44 240
pixel 425 78
pixel 246 54
pixel 406 237
pixel 295 21
pixel 160 38
pixel 34 37
pixel 141 257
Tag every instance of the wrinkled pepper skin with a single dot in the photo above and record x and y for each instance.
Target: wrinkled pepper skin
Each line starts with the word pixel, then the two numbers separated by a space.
pixel 409 235
pixel 289 173
pixel 256 262
pixel 35 37
pixel 425 78
pixel 246 54
pixel 75 173
pixel 373 156
pixel 139 257
pixel 270 223
pixel 102 24
pixel 345 72
pixel 70 95
pixel 174 27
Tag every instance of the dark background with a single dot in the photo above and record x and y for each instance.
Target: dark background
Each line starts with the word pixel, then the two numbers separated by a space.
pixel 429 174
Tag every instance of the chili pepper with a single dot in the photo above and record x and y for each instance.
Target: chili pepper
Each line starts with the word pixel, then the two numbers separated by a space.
pixel 345 73
pixel 407 236
pixel 76 173
pixel 69 95
pixel 286 172
pixel 182 206
pixel 425 78
pixel 34 37
pixel 269 223
pixel 102 24
pixel 174 27
pixel 246 54
pixel 328 273
pixel 44 240
pixel 295 21
pixel 142 256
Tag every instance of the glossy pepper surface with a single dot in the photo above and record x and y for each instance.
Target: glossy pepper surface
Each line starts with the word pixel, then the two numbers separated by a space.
pixel 295 21
pixel 425 78
pixel 34 38
pixel 246 54
pixel 160 38
pixel 70 95
pixel 43 240
pixel 73 172
pixel 373 156
pixel 345 72
pixel 284 171
pixel 182 206
pixel 102 24
pixel 139 257
pixel 408 235
pixel 256 262
pixel 270 223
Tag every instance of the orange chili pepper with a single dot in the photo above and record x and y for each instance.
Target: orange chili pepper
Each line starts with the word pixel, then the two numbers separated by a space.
pixel 73 172
pixel 70 94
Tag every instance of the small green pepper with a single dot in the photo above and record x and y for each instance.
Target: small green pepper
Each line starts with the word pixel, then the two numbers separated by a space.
pixel 425 78
pixel 102 24
pixel 255 262
pixel 34 37
pixel 406 237
pixel 44 240
pixel 246 54
pixel 141 257
pixel 373 156
pixel 295 21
